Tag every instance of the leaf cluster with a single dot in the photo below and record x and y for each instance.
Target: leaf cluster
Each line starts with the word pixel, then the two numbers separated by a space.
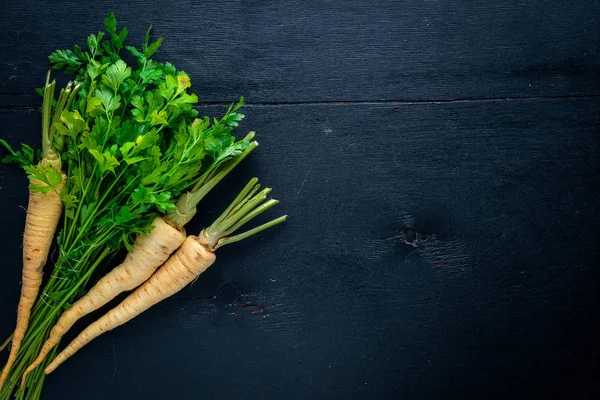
pixel 131 146
pixel 132 141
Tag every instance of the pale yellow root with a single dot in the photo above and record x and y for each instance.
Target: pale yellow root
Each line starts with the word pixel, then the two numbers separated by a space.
pixel 43 214
pixel 150 251
pixel 181 268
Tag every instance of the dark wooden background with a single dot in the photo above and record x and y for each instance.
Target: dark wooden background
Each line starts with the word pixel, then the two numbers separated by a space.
pixel 467 128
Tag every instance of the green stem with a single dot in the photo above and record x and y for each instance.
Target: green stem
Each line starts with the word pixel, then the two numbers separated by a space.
pixel 8 340
pixel 70 229
pixel 43 320
pixel 188 202
pixel 242 203
pixel 72 96
pixel 51 158
pixel 92 215
pixel 247 234
pixel 250 216
pixel 80 205
pixel 74 287
pixel 60 104
pixel 241 198
pixel 46 113
pixel 228 166
pixel 242 210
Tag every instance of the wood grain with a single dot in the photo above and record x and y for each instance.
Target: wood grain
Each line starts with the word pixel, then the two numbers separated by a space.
pixel 433 251
pixel 440 164
pixel 315 50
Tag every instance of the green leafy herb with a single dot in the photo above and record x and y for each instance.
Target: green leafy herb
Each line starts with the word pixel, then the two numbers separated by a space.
pixel 48 178
pixel 132 147
pixel 22 158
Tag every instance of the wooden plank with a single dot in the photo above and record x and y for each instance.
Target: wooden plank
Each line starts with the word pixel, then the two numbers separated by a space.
pixel 306 51
pixel 496 294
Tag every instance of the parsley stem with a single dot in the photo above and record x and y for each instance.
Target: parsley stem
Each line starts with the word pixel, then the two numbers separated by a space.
pixel 71 229
pixel 41 326
pixel 247 234
pixel 228 166
pixel 139 124
pixel 92 215
pixel 60 104
pixel 250 216
pixel 237 215
pixel 248 190
pixel 47 146
pixel 244 208
pixel 187 203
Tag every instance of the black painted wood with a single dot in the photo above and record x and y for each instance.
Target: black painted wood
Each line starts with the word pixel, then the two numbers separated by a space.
pixel 435 249
pixel 497 296
pixel 299 51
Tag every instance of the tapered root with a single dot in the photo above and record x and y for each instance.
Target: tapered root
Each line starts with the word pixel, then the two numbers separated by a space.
pixel 150 251
pixel 182 268
pixel 43 214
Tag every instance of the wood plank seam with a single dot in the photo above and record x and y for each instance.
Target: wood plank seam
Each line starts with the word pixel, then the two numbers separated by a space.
pixel 361 102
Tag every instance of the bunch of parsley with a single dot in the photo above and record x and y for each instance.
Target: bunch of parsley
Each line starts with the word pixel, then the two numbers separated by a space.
pixel 131 144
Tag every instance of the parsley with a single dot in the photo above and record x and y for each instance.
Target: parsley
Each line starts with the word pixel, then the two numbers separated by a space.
pixel 23 158
pixel 132 146
pixel 43 179
pixel 66 59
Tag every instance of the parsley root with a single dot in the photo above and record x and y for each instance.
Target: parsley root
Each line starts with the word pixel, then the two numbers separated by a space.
pixel 150 251
pixel 136 156
pixel 195 255
pixel 43 213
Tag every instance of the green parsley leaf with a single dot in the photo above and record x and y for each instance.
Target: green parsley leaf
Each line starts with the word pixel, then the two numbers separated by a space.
pixel 123 216
pixel 118 40
pixel 48 178
pixel 116 74
pixel 140 56
pixel 110 101
pixel 167 89
pixel 92 43
pixel 159 118
pixel 70 202
pixel 150 48
pixel 71 124
pixel 94 107
pixel 86 210
pixel 169 69
pixel 106 161
pixel 110 23
pixel 66 59
pixel 22 158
